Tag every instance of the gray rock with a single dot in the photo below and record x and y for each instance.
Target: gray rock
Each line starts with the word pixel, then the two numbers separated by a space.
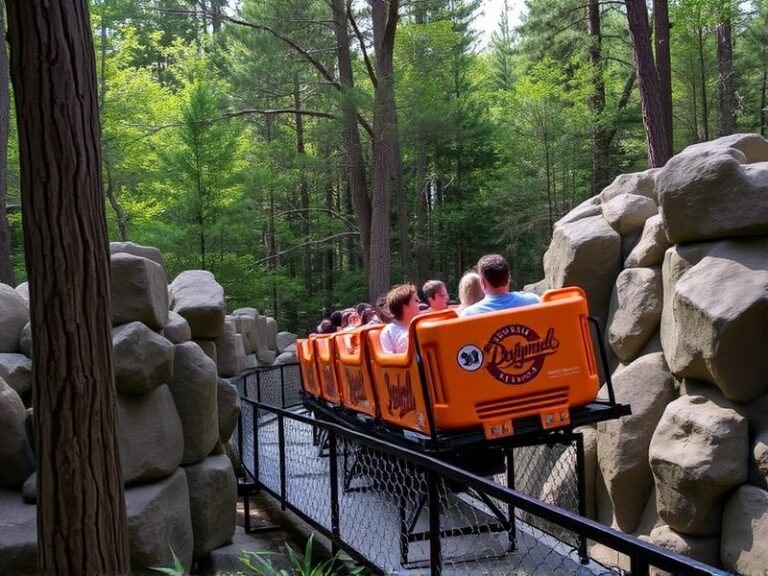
pixel 708 191
pixel 143 359
pixel 585 253
pixel 25 342
pixel 650 248
pixel 635 311
pixel 285 358
pixel 622 444
pixel 270 333
pixel 590 207
pixel 139 291
pixel 209 348
pixel 149 252
pixel 640 183
pixel 177 328
pixel 23 290
pixel 18 535
pixel 29 489
pixel 229 409
pixel 745 531
pixel 703 549
pixel 698 454
pixel 247 327
pixel 230 353
pixel 15 456
pixel 197 296
pixel 16 370
pixel 212 503
pixel 14 313
pixel 719 308
pixel 194 388
pixel 285 339
pixel 150 437
pixel 758 462
pixel 628 213
pixel 158 522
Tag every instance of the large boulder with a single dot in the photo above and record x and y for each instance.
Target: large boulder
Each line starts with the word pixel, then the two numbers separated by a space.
pixel 212 503
pixel 704 549
pixel 18 535
pixel 194 388
pixel 719 306
pixel 149 252
pixel 15 455
pixel 159 523
pixel 143 359
pixel 150 437
pixel 25 341
pixel 758 463
pixel 16 370
pixel 230 353
pixel 743 546
pixel 270 333
pixel 698 454
pixel 622 444
pixel 650 247
pixel 177 328
pixel 628 213
pixel 14 314
pixel 229 409
pixel 635 311
pixel 285 339
pixel 639 183
pixel 710 191
pixel 139 291
pixel 197 297
pixel 585 253
pixel 589 207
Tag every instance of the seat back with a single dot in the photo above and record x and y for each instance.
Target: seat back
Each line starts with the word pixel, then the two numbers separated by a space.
pixel 355 378
pixel 492 369
pixel 327 367
pixel 396 378
pixel 310 380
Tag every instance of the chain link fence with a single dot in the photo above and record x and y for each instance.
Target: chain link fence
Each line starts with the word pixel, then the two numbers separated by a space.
pixel 401 512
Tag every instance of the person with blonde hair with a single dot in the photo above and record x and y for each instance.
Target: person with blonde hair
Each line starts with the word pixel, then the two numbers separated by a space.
pixel 403 304
pixel 470 289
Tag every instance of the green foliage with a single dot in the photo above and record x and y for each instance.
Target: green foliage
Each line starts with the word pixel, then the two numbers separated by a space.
pixel 176 570
pixel 301 565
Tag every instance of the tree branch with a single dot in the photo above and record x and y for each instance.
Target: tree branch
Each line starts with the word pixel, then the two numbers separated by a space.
pixel 361 42
pixel 304 244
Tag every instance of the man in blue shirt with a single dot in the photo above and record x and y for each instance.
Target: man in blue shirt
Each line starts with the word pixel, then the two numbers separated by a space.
pixel 494 275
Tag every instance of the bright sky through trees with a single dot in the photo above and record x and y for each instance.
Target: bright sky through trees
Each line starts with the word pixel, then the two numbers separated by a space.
pixel 487 20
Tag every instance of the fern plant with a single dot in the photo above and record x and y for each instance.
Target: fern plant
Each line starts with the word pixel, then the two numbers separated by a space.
pixel 261 565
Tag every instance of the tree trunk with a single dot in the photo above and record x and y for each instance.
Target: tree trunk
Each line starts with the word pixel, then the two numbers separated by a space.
pixel 422 210
pixel 384 16
pixel 703 86
pixel 303 186
pixel 600 142
pixel 81 518
pixel 663 63
pixel 350 136
pixel 7 275
pixel 726 118
pixel 654 125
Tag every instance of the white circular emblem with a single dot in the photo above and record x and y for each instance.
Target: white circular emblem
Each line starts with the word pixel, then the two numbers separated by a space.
pixel 470 358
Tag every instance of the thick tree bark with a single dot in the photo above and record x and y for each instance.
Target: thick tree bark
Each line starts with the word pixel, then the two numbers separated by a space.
pixel 726 118
pixel 654 124
pixel 350 135
pixel 600 141
pixel 81 509
pixel 7 275
pixel 384 16
pixel 663 63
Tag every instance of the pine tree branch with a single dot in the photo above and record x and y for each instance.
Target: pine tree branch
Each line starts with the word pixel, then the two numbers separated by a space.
pixel 317 242
pixel 361 42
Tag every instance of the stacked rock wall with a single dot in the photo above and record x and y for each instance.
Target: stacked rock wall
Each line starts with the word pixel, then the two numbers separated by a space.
pixel 174 348
pixel 675 264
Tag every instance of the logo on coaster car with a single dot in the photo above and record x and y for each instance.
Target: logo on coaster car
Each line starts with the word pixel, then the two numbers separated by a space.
pixel 401 398
pixel 515 354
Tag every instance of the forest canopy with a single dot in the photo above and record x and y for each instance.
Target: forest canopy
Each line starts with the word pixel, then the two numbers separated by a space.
pixel 310 153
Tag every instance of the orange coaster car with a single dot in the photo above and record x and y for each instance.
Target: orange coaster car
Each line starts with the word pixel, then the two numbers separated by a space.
pixel 491 369
pixel 310 380
pixel 396 378
pixel 354 366
pixel 325 360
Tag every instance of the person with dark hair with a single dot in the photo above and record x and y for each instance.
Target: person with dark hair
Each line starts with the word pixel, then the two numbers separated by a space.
pixel 325 327
pixel 403 304
pixel 494 276
pixel 436 294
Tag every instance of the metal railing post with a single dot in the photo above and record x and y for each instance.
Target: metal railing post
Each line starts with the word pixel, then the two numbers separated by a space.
pixel 282 387
pixel 512 535
pixel 334 473
pixel 281 449
pixel 255 434
pixel 435 553
pixel 582 493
